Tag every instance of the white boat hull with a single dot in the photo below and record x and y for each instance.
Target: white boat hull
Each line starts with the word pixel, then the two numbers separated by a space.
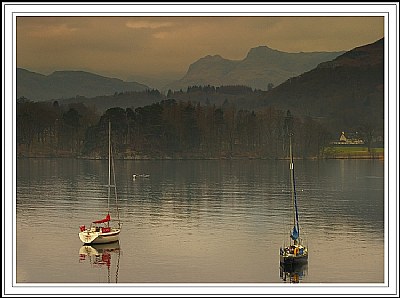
pixel 89 237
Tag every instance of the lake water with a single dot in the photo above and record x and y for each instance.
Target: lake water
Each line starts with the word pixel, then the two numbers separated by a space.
pixel 200 221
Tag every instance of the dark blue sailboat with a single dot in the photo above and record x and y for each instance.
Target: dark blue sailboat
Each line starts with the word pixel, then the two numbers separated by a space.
pixel 295 253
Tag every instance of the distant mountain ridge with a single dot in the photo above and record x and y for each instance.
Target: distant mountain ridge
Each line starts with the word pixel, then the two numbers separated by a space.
pixel 261 67
pixel 67 84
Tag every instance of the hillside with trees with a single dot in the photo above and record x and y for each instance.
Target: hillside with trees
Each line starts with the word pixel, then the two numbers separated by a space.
pixel 344 94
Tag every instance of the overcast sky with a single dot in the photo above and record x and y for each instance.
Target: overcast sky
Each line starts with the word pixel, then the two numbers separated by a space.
pixel 127 47
pixel 123 47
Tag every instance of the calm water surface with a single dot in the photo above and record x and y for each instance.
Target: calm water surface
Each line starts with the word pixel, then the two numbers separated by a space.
pixel 200 221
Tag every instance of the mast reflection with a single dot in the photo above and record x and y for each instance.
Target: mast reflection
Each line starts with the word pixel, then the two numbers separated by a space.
pixel 105 255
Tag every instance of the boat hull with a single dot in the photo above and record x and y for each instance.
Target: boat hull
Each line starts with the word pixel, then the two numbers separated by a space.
pixel 92 237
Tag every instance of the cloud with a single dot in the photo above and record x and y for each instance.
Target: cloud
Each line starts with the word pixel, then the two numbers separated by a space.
pixel 51 31
pixel 147 24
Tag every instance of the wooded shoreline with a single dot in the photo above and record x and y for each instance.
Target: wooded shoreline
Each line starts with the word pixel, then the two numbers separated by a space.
pixel 373 155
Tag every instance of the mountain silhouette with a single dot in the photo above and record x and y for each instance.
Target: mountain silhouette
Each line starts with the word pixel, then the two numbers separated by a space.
pixel 261 67
pixel 67 84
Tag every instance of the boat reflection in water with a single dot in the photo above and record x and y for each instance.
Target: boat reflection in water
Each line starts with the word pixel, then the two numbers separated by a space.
pixel 293 273
pixel 106 255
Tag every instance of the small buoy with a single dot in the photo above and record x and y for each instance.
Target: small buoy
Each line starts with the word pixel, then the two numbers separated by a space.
pixel 140 176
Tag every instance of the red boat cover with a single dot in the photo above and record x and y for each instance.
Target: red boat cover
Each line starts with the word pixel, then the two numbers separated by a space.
pixel 106 230
pixel 108 218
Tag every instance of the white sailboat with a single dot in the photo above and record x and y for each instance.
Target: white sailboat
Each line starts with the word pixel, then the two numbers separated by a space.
pixel 295 253
pixel 101 231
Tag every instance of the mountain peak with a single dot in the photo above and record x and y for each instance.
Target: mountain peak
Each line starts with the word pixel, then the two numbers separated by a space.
pixel 212 58
pixel 260 52
pixel 209 61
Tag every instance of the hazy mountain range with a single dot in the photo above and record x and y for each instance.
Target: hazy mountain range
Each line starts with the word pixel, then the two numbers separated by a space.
pixel 67 84
pixel 262 66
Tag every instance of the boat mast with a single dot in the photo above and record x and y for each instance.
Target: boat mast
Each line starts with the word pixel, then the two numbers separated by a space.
pixel 289 129
pixel 115 192
pixel 294 195
pixel 291 166
pixel 109 166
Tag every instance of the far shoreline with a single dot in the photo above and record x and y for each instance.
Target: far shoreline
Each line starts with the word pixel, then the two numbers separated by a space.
pixel 342 157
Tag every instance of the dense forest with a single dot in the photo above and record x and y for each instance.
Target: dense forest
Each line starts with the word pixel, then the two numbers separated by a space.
pixel 169 128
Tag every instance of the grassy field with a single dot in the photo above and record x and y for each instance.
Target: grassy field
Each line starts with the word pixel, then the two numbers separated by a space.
pixel 352 152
